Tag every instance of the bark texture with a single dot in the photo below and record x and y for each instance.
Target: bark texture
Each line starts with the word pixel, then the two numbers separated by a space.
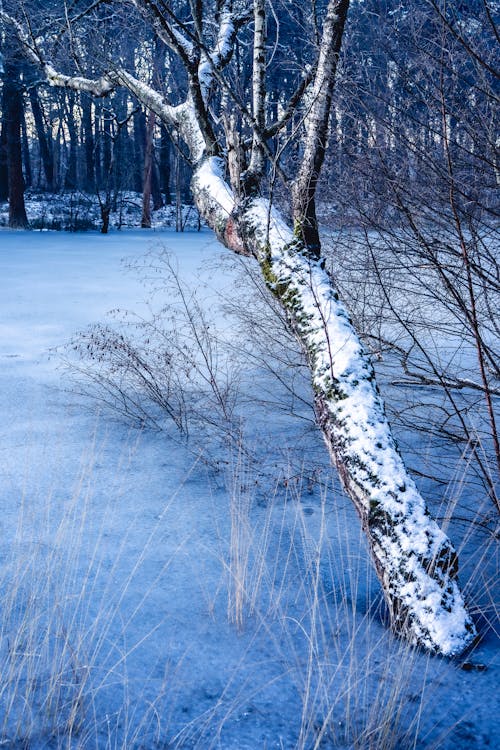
pixel 316 128
pixel 44 139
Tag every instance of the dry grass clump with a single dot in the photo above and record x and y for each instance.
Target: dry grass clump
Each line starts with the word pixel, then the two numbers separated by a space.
pixel 294 577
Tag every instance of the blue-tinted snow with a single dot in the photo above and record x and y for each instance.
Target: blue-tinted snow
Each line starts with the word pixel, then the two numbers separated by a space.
pixel 117 571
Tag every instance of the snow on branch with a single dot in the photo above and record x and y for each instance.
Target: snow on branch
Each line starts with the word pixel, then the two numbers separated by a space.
pixel 216 59
pixel 97 86
pixel 30 47
pixel 182 116
pixel 168 30
pixel 148 96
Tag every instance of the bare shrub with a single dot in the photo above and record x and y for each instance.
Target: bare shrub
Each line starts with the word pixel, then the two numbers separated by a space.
pixel 161 368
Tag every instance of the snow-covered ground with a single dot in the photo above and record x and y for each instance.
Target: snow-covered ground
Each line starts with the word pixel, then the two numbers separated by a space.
pixel 158 591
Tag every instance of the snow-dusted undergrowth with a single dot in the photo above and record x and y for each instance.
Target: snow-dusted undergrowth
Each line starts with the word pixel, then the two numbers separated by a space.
pixel 78 211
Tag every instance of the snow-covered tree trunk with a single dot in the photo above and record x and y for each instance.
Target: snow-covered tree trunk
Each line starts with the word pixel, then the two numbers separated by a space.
pixel 414 559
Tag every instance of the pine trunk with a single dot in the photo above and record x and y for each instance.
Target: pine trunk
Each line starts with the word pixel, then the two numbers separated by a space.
pixel 148 173
pixel 89 144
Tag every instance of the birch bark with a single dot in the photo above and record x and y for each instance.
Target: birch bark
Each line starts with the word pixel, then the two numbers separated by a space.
pixel 316 128
pixel 256 166
pixel 415 561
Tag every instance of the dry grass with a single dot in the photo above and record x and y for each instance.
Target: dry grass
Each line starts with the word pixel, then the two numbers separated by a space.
pixel 294 576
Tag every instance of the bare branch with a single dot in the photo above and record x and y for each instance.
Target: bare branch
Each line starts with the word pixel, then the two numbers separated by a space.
pixel 292 105
pixel 101 86
pixel 177 40
pixel 464 42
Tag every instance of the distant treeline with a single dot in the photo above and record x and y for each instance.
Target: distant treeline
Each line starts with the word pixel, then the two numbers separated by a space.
pixel 416 106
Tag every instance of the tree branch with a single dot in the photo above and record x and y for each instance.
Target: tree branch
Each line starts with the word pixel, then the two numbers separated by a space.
pixel 316 127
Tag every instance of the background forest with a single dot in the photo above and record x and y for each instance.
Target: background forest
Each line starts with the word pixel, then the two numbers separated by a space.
pixel 414 109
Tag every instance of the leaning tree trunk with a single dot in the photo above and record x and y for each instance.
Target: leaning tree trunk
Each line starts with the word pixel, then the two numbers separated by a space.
pixel 414 560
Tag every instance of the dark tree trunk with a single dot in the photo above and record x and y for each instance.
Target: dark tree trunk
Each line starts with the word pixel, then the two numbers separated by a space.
pixel 316 130
pixel 89 143
pixel 97 144
pixel 28 179
pixel 4 174
pixel 186 177
pixel 126 168
pixel 165 168
pixel 139 146
pixel 105 212
pixel 148 173
pixel 106 144
pixel 120 149
pixel 44 140
pixel 158 77
pixel 70 181
pixel 155 183
pixel 13 114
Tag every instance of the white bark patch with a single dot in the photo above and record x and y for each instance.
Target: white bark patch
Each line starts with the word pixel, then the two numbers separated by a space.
pixel 98 87
pixel 182 116
pixel 221 52
pixel 189 130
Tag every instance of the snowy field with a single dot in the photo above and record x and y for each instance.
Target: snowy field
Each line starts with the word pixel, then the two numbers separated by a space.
pixel 206 591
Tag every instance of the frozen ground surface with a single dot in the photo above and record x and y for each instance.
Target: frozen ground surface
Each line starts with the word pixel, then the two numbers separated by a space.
pixel 153 596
